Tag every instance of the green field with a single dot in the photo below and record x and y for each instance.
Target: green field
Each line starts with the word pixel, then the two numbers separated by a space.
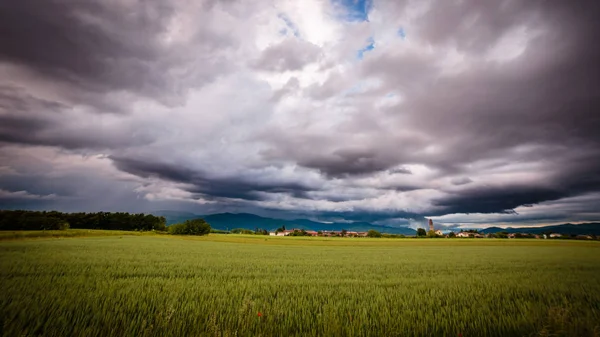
pixel 16 235
pixel 217 285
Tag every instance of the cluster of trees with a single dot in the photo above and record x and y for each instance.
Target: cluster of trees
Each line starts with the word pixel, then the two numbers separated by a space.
pixel 242 231
pixel 301 232
pixel 256 231
pixel 17 220
pixel 501 235
pixel 431 234
pixel 190 227
pixel 34 220
pixel 373 233
pixel 393 236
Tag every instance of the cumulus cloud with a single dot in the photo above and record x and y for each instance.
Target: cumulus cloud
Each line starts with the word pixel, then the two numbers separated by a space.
pixel 476 113
pixel 291 54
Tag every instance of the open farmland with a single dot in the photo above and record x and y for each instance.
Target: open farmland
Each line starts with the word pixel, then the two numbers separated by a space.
pixel 227 285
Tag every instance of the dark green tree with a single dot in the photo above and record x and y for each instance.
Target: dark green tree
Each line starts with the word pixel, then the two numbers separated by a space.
pixel 501 235
pixel 190 227
pixel 33 220
pixel 421 232
pixel 373 233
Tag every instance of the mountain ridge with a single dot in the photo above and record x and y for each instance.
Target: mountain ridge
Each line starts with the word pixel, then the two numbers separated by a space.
pixel 589 228
pixel 228 221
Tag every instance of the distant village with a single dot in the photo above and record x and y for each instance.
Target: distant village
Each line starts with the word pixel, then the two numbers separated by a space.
pixel 291 232
pixel 421 232
pixel 438 234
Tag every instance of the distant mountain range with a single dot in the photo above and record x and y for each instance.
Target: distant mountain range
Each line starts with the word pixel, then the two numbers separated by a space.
pixel 229 221
pixel 592 228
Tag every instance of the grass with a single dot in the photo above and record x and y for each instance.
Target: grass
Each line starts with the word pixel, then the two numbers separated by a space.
pixel 152 285
pixel 44 234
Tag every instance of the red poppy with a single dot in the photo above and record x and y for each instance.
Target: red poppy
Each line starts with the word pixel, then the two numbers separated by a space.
pixel 459 335
pixel 259 314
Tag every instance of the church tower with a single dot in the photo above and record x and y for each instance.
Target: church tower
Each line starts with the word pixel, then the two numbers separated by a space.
pixel 431 225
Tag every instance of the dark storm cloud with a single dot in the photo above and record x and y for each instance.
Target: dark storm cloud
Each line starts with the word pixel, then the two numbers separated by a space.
pixel 146 169
pixel 23 116
pixel 495 200
pixel 28 120
pixel 209 187
pixel 19 129
pixel 17 202
pixel 551 105
pixel 41 185
pixel 336 155
pixel 37 131
pixel 547 96
pixel 475 26
pixel 34 186
pixel 369 216
pixel 347 161
pixel 13 98
pixel 97 47
pixel 578 175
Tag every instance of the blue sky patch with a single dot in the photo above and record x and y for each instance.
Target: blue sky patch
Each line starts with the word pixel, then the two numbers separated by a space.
pixel 355 10
pixel 290 24
pixel 369 47
pixel 402 33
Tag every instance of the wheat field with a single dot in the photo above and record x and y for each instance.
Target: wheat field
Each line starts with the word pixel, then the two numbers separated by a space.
pixel 235 285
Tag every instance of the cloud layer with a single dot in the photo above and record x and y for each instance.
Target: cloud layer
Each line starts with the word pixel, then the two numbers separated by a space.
pixel 466 111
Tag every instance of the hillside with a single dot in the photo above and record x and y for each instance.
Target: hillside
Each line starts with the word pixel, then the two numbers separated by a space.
pixel 176 216
pixel 592 228
pixel 228 221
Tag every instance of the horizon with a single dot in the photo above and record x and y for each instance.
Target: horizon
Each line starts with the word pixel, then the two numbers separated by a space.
pixel 228 222
pixel 379 111
pixel 414 226
pixel 446 227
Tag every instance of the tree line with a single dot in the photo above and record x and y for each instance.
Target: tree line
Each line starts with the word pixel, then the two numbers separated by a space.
pixel 53 220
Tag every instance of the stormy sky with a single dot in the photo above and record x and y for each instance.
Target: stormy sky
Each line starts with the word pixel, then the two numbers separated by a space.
pixel 470 112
